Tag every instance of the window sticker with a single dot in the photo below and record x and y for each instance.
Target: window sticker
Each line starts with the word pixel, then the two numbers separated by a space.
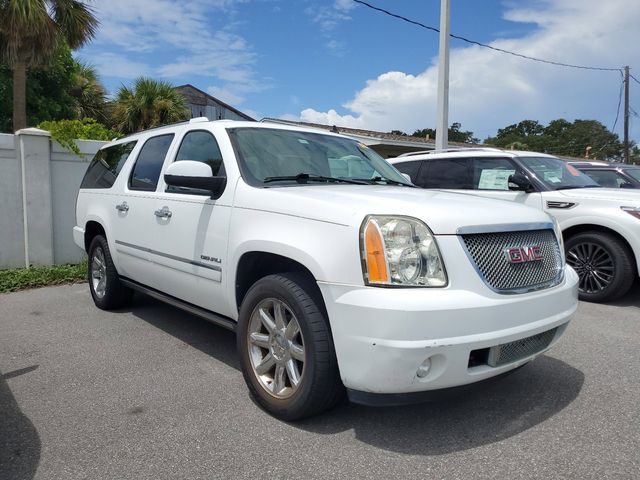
pixel 495 179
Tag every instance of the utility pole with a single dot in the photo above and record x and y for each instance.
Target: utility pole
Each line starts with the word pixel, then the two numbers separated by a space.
pixel 442 121
pixel 626 114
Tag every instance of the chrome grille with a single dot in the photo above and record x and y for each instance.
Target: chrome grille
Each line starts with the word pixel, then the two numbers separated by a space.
pixel 523 348
pixel 488 253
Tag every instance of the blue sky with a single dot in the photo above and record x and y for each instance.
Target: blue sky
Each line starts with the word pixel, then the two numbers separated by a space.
pixel 336 62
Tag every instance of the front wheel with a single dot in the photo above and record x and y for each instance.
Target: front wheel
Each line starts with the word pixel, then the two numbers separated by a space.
pixel 286 350
pixel 604 264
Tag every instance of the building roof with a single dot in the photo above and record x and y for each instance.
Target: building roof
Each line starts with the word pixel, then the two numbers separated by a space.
pixel 205 96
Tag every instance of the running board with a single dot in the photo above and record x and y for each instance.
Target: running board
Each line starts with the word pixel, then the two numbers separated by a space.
pixel 187 307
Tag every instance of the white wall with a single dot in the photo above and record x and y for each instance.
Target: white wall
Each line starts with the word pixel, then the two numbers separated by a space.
pixel 52 176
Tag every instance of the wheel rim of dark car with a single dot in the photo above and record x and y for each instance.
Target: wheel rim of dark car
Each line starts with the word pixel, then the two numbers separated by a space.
pixel 594 266
pixel 276 348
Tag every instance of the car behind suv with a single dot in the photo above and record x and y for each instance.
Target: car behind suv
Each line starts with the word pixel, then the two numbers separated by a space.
pixel 332 269
pixel 600 226
pixel 611 175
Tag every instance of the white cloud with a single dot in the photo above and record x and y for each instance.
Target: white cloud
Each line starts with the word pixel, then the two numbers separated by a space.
pixel 119 66
pixel 225 95
pixel 489 90
pixel 190 30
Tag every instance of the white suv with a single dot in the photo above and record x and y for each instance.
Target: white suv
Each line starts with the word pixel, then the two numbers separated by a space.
pixel 333 271
pixel 601 226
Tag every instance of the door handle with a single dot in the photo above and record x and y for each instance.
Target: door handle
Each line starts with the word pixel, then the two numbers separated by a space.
pixel 164 212
pixel 123 207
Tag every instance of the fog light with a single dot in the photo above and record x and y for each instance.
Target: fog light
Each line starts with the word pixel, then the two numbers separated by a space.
pixel 423 369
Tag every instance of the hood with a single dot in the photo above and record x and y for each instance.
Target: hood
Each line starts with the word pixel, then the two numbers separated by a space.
pixel 443 212
pixel 618 195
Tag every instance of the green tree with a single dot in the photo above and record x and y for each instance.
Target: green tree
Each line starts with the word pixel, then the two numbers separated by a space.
pixel 89 93
pixel 455 134
pixel 66 132
pixel 49 91
pixel 150 103
pixel 561 137
pixel 30 33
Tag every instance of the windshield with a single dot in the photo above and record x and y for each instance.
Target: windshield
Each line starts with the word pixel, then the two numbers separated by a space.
pixel 270 156
pixel 556 174
pixel 633 172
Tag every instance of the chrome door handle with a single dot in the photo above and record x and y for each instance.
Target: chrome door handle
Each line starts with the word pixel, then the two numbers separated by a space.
pixel 164 212
pixel 123 207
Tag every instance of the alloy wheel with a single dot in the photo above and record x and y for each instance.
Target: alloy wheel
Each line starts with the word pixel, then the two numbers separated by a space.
pixel 98 272
pixel 594 266
pixel 276 348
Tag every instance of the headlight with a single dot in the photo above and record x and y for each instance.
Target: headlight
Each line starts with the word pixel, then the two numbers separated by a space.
pixel 558 231
pixel 633 211
pixel 400 251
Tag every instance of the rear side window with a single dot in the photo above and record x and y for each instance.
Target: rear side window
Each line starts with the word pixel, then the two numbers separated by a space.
pixel 105 166
pixel 445 173
pixel 148 165
pixel 410 168
pixel 608 178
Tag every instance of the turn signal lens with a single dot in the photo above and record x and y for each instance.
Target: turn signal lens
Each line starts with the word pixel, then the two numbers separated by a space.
pixel 633 211
pixel 375 254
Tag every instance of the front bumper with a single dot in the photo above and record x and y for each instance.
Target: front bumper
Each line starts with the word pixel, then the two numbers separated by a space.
pixel 382 336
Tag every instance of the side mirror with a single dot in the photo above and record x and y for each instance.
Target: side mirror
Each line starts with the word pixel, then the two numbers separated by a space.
pixel 191 174
pixel 519 182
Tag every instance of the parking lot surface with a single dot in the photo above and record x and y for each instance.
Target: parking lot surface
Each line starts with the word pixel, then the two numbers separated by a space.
pixel 151 393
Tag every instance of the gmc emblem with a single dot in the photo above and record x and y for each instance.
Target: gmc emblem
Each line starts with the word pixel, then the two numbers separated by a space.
pixel 524 254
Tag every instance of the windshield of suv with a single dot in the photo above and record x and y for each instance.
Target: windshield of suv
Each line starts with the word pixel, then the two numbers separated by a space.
pixel 556 174
pixel 270 156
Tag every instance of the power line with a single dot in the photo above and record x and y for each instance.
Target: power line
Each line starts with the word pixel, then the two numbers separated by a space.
pixel 631 76
pixel 484 45
pixel 619 103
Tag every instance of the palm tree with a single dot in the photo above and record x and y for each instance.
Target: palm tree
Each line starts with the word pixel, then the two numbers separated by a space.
pixel 30 31
pixel 89 93
pixel 150 103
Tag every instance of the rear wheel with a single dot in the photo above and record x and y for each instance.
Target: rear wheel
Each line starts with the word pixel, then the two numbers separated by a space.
pixel 286 350
pixel 604 264
pixel 104 283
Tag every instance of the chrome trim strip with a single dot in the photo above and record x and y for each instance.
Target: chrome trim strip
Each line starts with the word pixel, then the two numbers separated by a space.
pixel 167 255
pixel 504 227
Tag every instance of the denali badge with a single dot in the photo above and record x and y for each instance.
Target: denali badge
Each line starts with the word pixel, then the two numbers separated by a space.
pixel 524 254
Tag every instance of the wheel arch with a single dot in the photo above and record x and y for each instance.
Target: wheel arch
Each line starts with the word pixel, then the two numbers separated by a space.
pixel 91 229
pixel 256 264
pixel 591 227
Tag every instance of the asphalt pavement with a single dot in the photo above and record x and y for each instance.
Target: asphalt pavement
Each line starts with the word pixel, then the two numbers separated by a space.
pixel 151 392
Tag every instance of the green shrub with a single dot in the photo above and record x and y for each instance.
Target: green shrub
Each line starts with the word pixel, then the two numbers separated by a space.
pixel 14 279
pixel 65 132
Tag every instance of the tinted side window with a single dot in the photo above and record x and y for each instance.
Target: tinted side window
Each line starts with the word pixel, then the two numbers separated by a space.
pixel 105 166
pixel 410 168
pixel 445 173
pixel 201 146
pixel 492 173
pixel 146 171
pixel 607 178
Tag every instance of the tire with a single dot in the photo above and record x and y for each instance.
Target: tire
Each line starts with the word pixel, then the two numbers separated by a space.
pixel 104 283
pixel 299 345
pixel 604 263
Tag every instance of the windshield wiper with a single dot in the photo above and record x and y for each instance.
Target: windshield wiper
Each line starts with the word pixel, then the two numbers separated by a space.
pixel 308 177
pixel 569 187
pixel 388 181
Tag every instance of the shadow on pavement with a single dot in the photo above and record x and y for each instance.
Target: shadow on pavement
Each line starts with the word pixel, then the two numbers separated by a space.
pixel 490 412
pixel 19 439
pixel 631 299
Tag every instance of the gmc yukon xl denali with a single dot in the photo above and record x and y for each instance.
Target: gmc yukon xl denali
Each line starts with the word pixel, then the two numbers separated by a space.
pixel 336 273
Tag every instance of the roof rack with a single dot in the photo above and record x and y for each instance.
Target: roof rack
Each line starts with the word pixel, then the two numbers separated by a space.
pixel 453 149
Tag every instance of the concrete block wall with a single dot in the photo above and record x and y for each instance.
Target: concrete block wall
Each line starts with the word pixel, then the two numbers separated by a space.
pixel 39 180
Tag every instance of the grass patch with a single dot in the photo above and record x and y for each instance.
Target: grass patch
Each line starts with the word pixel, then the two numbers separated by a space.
pixel 14 279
